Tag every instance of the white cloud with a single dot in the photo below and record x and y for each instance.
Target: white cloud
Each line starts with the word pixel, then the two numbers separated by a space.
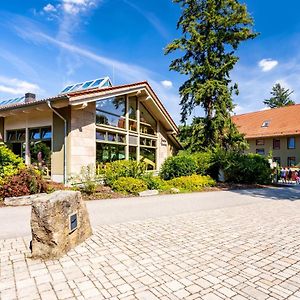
pixel 16 86
pixel 167 84
pixel 267 64
pixel 73 7
pixel 49 8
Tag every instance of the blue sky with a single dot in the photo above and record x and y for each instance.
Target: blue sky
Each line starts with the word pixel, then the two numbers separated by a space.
pixel 46 45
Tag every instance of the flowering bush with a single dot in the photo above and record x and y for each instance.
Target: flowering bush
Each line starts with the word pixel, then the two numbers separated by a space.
pixel 26 182
pixel 10 163
pixel 127 185
pixel 192 183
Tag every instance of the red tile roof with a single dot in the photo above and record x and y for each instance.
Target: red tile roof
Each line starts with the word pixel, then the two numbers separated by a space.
pixel 283 121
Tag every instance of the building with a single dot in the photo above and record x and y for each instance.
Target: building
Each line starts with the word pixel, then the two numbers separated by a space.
pixel 88 123
pixel 274 131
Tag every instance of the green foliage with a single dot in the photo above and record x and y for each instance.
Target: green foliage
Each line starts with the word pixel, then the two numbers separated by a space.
pixel 40 147
pixel 280 97
pixel 26 182
pixel 192 183
pixel 176 166
pixel 211 33
pixel 155 182
pixel 128 185
pixel 87 176
pixel 203 162
pixel 243 168
pixel 10 163
pixel 123 168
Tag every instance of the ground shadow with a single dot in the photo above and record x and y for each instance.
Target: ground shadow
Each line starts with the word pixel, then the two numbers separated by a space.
pixel 288 192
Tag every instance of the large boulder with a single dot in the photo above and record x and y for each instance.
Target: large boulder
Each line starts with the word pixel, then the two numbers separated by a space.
pixel 59 222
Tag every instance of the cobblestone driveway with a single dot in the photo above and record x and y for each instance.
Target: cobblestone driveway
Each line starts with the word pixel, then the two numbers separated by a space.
pixel 245 252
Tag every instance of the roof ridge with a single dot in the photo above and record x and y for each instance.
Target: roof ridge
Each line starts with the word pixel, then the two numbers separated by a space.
pixel 267 110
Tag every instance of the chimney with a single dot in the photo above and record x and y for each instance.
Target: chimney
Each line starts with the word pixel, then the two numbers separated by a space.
pixel 29 97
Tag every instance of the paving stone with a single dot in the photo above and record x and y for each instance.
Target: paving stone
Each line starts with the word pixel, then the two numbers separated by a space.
pixel 237 253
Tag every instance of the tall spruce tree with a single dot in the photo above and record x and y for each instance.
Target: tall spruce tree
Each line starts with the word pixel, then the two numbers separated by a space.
pixel 211 33
pixel 280 97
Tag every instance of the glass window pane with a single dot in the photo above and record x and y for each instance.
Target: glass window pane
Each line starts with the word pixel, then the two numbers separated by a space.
pixel 96 83
pixel 107 153
pixel 114 106
pixel 148 123
pixel 276 144
pixel 121 138
pixel 291 143
pixel 260 151
pixel 46 133
pixel 132 107
pixel 21 135
pixel 111 120
pixel 11 135
pixel 34 134
pixel 148 156
pixel 132 153
pixel 100 135
pixel 291 161
pixel 87 84
pixel 132 125
pixel 112 137
pixel 76 87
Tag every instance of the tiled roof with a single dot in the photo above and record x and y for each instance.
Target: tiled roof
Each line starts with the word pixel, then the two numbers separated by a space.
pixel 36 102
pixel 282 121
pixel 120 87
pixel 92 91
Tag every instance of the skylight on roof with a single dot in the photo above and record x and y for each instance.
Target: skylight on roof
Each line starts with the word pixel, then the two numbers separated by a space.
pixel 266 124
pixel 90 84
pixel 12 101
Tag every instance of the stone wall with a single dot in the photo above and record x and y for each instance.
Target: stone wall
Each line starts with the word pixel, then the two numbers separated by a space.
pixel 82 139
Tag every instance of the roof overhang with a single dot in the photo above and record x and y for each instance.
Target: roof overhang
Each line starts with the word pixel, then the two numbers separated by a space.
pixel 38 105
pixel 142 90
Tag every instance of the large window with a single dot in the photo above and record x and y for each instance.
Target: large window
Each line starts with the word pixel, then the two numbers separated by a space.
pixel 16 141
pixel 260 142
pixel 260 151
pixel 109 152
pixel 148 156
pixel 111 112
pixel 147 122
pixel 40 148
pixel 291 143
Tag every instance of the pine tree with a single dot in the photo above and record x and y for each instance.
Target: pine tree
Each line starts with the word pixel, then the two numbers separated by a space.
pixel 280 97
pixel 211 33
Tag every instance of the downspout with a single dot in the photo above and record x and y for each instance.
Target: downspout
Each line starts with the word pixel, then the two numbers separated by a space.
pixel 65 138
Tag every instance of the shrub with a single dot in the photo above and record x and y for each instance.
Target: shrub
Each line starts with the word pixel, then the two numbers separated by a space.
pixel 128 185
pixel 155 182
pixel 87 176
pixel 192 183
pixel 26 182
pixel 176 166
pixel 9 162
pixel 123 168
pixel 247 168
pixel 203 162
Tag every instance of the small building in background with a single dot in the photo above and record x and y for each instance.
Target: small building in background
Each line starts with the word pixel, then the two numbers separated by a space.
pixel 89 123
pixel 273 131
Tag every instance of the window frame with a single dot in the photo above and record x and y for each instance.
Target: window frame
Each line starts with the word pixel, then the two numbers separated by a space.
pixel 279 142
pixel 288 139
